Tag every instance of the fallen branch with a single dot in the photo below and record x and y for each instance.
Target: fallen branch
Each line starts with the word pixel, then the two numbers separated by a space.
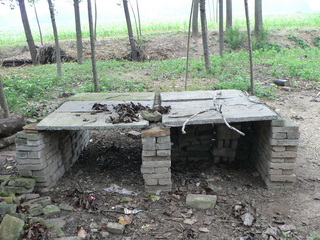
pixel 7 141
pixel 216 107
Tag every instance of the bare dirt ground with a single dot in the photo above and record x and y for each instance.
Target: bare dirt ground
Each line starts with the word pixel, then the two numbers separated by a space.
pixel 114 158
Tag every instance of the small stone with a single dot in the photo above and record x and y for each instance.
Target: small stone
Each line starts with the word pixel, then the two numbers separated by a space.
pixel 11 228
pixel 201 201
pixel 104 235
pixel 65 207
pixel 115 228
pixel 151 116
pixel 247 219
pixel 134 134
pixel 56 222
pixel 190 221
pixel 8 208
pixel 51 209
pixel 35 209
pixel 43 201
pixel 272 231
pixel 316 196
pixel 22 182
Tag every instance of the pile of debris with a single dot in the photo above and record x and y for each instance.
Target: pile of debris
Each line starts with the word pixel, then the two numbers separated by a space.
pixel 129 112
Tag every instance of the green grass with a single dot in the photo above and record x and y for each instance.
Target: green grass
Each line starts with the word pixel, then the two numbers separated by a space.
pixel 28 89
pixel 295 21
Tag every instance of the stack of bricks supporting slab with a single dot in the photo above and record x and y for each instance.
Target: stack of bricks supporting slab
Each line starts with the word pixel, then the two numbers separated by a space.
pixel 275 152
pixel 194 145
pixel 226 143
pixel 45 156
pixel 156 159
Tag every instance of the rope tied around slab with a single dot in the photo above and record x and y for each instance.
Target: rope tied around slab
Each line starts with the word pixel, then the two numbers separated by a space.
pixel 216 107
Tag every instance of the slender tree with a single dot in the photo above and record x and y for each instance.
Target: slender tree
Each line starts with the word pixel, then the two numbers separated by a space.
pixel 250 47
pixel 205 35
pixel 221 33
pixel 228 14
pixel 56 38
pixel 258 24
pixel 78 31
pixel 28 33
pixel 195 17
pixel 134 52
pixel 138 12
pixel 95 19
pixel 33 2
pixel 93 49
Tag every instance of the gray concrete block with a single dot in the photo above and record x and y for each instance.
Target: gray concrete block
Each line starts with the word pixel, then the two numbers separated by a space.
pixel 11 228
pixel 201 201
pixel 115 228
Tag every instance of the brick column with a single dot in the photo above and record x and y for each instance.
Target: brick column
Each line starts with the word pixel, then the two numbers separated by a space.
pixel 226 143
pixel 275 151
pixel 284 141
pixel 156 159
pixel 46 155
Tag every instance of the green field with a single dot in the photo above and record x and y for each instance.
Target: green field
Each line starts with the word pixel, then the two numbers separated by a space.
pixel 34 90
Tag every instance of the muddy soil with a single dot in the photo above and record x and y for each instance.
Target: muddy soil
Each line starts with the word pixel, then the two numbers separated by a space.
pixel 114 158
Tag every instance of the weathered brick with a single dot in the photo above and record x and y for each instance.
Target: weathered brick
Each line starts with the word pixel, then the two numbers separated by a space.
pixel 165 181
pixel 151 181
pixel 285 129
pixel 278 148
pixel 286 154
pixel 147 170
pixel 283 178
pixel 279 135
pixel 163 153
pixel 148 146
pixel 161 170
pixel 283 166
pixel 156 132
pixel 148 153
pixel 157 175
pixel 21 155
pixel 163 146
pixel 275 171
pixel 292 148
pixel 288 172
pixel 284 142
pixel 293 135
pixel 165 139
pixel 156 163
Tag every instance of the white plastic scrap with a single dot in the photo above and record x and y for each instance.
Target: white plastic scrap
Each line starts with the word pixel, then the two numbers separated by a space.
pixel 117 189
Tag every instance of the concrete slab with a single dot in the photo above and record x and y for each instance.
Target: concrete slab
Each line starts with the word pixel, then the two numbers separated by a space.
pixel 83 121
pixel 135 96
pixel 79 115
pixel 236 107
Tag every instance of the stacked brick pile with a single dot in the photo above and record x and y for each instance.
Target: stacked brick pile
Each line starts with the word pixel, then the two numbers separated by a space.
pixel 226 143
pixel 156 159
pixel 275 152
pixel 45 156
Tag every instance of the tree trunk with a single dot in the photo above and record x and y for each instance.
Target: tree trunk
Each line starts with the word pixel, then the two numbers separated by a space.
pixel 93 49
pixel 36 13
pixel 229 14
pixel 139 21
pixel 11 125
pixel 258 17
pixel 28 33
pixel 134 52
pixel 56 38
pixel 221 33
pixel 205 35
pixel 250 47
pixel 78 31
pixel 195 17
pixel 3 100
pixel 95 20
